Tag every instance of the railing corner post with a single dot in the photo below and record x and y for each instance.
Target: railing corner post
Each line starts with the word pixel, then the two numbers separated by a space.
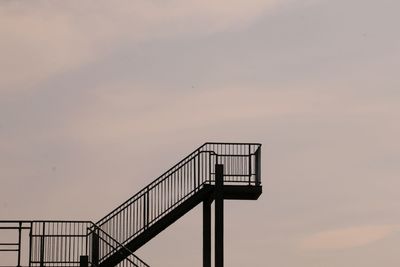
pixel 258 166
pixel 19 243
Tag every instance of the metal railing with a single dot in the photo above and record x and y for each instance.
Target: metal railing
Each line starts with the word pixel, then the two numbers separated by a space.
pixel 55 244
pixel 58 243
pixel 11 242
pixel 61 243
pixel 241 167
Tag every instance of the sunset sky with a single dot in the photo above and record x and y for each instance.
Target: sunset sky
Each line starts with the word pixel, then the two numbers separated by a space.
pixel 98 98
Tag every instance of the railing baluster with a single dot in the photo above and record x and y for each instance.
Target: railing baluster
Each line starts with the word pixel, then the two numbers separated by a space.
pixel 30 244
pixel 42 247
pixel 147 208
pixel 19 244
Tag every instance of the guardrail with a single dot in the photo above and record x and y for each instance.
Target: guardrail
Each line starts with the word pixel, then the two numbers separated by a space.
pixel 58 243
pixel 11 242
pixel 55 244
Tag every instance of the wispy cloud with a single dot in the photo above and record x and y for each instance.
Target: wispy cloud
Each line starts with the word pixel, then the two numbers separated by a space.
pixel 345 238
pixel 44 38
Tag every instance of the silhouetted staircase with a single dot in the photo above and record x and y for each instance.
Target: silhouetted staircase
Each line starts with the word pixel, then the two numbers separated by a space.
pixel 113 240
pixel 178 190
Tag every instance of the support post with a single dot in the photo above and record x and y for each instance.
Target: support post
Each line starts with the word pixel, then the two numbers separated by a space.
pixel 207 233
pixel 95 248
pixel 219 215
pixel 84 261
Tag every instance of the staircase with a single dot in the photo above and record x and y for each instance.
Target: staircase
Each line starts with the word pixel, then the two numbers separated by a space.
pixel 113 239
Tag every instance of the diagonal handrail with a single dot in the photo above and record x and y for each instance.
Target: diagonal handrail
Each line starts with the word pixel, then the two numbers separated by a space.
pixel 134 216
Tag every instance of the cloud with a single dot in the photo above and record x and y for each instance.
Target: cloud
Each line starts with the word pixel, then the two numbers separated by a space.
pixel 45 38
pixel 345 238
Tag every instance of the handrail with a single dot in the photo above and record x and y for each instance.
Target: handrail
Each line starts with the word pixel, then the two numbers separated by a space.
pixel 180 182
pixel 144 189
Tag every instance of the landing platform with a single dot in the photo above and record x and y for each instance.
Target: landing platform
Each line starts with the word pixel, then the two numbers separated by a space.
pixel 240 192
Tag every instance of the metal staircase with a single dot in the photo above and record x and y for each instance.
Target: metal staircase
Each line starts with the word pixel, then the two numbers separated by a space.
pixel 213 172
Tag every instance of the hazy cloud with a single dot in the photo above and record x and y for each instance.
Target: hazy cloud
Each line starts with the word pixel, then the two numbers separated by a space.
pixel 345 238
pixel 45 38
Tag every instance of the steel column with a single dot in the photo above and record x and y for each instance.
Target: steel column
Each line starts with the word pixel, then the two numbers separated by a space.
pixel 207 233
pixel 219 215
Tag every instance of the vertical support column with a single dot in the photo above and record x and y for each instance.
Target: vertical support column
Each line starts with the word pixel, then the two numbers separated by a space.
pixel 95 248
pixel 84 261
pixel 207 233
pixel 219 215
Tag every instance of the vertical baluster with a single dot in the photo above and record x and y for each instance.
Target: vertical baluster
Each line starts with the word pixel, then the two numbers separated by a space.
pixel 30 244
pixel 147 208
pixel 42 247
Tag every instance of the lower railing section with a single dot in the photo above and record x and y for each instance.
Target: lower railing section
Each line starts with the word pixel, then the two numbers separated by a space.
pixel 14 236
pixel 58 244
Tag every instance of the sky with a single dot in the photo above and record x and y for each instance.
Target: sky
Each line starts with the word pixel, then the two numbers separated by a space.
pixel 98 98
